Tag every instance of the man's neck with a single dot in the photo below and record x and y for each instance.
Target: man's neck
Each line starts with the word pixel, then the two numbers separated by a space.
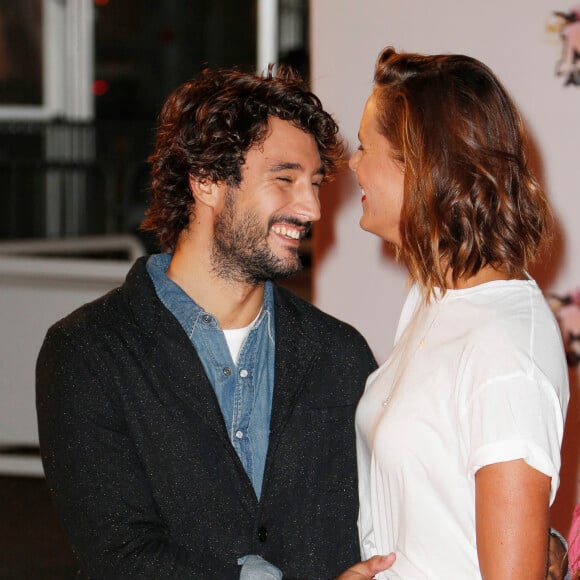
pixel 234 304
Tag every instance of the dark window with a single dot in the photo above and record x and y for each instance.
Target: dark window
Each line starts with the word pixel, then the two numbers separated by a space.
pixel 21 52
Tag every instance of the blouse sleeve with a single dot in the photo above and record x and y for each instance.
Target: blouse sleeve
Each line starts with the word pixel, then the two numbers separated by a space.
pixel 516 416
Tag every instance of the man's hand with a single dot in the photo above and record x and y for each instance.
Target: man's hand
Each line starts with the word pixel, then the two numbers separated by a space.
pixel 368 568
pixel 557 557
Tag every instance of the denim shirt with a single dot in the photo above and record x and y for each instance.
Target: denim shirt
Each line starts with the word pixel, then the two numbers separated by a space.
pixel 244 391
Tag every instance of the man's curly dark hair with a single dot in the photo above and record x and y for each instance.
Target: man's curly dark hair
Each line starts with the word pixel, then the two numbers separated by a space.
pixel 207 126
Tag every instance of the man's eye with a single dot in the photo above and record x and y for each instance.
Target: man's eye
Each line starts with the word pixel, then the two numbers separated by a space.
pixel 284 179
pixel 316 183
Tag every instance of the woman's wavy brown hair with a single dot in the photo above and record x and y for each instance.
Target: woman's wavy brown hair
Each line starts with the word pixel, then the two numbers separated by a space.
pixel 470 199
pixel 206 127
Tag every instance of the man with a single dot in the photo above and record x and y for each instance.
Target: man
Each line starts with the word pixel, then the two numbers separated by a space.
pixel 557 556
pixel 197 422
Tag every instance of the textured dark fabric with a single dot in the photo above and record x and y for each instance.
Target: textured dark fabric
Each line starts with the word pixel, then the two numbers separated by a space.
pixel 138 460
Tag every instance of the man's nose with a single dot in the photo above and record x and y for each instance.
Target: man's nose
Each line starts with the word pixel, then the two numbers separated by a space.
pixel 307 203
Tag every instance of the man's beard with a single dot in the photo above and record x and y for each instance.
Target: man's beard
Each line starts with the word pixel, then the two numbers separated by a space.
pixel 240 251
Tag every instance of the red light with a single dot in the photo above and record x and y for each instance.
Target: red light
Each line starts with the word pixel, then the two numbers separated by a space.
pixel 101 2
pixel 167 34
pixel 100 87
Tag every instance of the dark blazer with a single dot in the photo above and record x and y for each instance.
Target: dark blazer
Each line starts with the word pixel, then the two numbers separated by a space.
pixel 138 460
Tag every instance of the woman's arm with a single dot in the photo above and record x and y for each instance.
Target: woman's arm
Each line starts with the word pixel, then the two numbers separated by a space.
pixel 512 519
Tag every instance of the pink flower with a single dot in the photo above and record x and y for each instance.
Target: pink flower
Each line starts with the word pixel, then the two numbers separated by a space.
pixel 575 296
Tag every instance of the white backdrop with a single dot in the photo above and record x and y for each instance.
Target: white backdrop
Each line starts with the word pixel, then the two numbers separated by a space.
pixel 355 278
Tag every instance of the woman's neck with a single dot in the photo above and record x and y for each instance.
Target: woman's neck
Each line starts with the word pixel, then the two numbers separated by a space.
pixel 486 274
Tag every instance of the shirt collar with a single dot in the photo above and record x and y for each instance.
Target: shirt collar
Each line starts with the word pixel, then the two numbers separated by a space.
pixel 186 310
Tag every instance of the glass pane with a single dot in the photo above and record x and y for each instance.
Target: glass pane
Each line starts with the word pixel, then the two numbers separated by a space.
pixel 145 48
pixel 293 38
pixel 21 52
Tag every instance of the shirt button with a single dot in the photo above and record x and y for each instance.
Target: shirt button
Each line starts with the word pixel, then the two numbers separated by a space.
pixel 243 373
pixel 206 318
pixel 239 434
pixel 227 371
pixel 262 534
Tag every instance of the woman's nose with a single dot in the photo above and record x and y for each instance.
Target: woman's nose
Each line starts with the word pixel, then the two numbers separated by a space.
pixel 353 161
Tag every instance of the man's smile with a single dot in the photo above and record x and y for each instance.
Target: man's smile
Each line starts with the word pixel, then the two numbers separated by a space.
pixel 288 231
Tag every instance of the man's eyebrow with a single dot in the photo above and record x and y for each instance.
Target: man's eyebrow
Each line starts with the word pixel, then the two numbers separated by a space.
pixel 286 166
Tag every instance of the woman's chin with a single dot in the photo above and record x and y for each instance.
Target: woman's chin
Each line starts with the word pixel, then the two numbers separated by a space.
pixel 364 225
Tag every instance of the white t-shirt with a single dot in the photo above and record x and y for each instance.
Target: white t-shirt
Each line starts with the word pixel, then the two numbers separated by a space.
pixel 475 378
pixel 235 338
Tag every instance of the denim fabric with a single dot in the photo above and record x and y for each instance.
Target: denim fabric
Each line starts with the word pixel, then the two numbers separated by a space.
pixel 244 391
pixel 256 568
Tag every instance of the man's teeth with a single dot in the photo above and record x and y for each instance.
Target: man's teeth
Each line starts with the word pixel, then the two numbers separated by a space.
pixel 287 232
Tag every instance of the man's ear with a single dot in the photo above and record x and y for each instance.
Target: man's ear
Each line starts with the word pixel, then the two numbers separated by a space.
pixel 205 191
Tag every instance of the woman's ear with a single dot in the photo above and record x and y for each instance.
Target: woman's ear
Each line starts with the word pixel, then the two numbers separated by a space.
pixel 205 191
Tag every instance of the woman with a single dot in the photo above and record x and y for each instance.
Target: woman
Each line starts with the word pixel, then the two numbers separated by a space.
pixel 459 431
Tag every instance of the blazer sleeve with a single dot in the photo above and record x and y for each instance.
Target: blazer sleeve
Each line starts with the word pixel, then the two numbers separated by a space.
pixel 94 474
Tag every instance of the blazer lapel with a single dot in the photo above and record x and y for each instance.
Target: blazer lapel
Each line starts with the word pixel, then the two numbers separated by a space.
pixel 179 366
pixel 296 352
pixel 190 383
